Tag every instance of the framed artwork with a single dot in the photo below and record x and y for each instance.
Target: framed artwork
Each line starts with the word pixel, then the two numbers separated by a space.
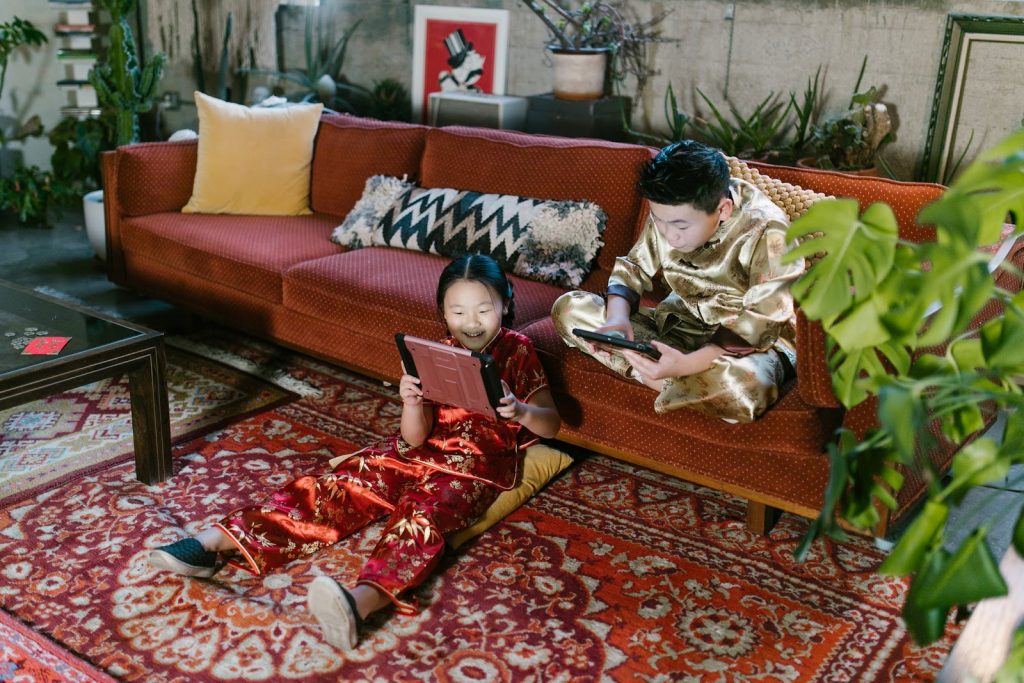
pixel 977 92
pixel 457 49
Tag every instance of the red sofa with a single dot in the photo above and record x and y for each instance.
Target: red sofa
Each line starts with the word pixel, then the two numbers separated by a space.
pixel 283 279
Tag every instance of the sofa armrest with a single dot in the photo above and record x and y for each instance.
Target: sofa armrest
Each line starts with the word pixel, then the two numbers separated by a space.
pixel 814 381
pixel 141 179
pixel 112 218
pixel 155 177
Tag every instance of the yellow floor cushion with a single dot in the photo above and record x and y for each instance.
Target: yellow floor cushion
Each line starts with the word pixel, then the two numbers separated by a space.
pixel 540 465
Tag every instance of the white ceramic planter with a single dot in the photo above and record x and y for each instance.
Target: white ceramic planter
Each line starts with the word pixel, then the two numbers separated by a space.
pixel 579 75
pixel 95 222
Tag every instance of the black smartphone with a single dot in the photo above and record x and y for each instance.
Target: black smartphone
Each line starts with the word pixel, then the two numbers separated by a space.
pixel 618 342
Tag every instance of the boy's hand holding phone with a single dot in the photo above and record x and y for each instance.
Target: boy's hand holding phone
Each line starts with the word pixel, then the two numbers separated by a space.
pixel 672 363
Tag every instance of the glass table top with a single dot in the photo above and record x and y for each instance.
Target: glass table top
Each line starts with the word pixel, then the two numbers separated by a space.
pixel 25 315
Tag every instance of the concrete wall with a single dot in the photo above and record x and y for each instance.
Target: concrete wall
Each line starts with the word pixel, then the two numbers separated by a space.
pixel 767 46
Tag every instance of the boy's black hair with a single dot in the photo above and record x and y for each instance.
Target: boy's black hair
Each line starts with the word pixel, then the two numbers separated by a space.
pixel 478 268
pixel 686 172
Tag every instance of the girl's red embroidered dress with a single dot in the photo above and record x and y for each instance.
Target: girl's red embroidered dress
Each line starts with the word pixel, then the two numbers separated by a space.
pixel 428 491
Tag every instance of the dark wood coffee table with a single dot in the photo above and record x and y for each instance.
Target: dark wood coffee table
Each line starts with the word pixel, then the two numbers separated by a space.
pixel 100 347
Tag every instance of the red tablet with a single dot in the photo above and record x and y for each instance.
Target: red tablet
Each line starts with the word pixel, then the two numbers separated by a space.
pixel 452 375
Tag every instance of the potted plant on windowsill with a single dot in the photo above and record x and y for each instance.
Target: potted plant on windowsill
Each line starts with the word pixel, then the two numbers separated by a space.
pixel 593 44
pixel 911 327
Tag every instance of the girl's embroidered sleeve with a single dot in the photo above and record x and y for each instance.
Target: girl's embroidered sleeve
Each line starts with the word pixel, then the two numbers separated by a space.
pixel 528 373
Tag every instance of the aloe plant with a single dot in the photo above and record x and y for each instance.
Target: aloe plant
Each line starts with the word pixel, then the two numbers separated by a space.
pixel 321 79
pixel 750 136
pixel 805 110
pixel 124 86
pixel 902 321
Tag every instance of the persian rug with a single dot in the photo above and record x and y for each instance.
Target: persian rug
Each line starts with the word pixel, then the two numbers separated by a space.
pixel 31 658
pixel 50 441
pixel 613 572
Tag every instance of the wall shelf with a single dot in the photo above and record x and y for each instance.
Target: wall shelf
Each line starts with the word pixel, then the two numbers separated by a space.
pixel 77 52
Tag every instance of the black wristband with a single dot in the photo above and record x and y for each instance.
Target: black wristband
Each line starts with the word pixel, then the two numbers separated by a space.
pixel 626 293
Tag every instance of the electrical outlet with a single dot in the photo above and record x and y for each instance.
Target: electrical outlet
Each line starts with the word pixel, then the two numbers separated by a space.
pixel 730 11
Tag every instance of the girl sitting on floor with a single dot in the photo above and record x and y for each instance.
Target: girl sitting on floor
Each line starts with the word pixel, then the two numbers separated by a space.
pixel 435 478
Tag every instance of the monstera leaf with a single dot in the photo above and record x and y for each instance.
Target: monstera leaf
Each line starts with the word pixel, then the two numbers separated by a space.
pixel 992 184
pixel 858 254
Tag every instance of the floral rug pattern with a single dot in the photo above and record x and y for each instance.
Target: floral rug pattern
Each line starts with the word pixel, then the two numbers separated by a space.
pixel 52 440
pixel 612 573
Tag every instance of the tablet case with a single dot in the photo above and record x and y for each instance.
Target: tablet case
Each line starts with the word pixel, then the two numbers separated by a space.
pixel 452 375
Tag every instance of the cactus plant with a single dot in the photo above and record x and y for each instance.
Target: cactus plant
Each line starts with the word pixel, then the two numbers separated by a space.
pixel 123 86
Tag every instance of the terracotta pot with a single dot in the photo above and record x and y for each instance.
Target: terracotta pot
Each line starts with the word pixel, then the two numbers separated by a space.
pixel 579 74
pixel 812 162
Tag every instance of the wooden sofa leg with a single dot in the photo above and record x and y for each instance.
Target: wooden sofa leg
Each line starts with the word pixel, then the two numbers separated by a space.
pixel 761 517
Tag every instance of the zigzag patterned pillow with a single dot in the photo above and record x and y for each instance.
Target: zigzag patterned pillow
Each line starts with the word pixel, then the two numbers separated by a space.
pixel 550 241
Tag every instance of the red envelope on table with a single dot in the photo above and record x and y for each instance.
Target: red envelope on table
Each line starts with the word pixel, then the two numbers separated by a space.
pixel 45 346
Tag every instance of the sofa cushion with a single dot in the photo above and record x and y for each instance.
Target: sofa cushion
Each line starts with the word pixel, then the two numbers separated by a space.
pixel 507 162
pixel 540 465
pixel 245 252
pixel 792 199
pixel 585 388
pixel 350 149
pixel 252 160
pixel 549 241
pixel 384 291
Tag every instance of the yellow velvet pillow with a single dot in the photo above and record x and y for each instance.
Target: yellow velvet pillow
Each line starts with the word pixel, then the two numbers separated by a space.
pixel 253 161
pixel 540 465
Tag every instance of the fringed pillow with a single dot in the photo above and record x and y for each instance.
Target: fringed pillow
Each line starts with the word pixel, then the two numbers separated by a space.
pixel 561 244
pixel 379 195
pixel 545 240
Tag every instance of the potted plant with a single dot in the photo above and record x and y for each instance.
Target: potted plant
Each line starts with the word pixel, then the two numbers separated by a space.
pixel 125 88
pixel 593 44
pixel 15 34
pixel 777 130
pixel 910 327
pixel 850 140
pixel 321 80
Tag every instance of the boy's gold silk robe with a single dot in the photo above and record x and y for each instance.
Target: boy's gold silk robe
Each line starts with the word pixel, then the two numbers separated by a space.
pixel 732 291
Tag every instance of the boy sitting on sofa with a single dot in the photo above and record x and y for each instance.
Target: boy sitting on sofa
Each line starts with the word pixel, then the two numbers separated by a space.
pixel 726 330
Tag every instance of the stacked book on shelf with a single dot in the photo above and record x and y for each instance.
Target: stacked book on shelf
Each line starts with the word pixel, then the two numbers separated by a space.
pixel 77 32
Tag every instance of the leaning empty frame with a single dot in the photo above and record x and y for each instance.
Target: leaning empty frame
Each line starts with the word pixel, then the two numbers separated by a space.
pixel 977 89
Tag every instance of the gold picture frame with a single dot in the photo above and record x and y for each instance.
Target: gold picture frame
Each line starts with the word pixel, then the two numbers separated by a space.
pixel 972 48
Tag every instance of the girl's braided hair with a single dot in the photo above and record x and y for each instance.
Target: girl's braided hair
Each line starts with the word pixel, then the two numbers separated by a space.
pixel 478 268
pixel 686 172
